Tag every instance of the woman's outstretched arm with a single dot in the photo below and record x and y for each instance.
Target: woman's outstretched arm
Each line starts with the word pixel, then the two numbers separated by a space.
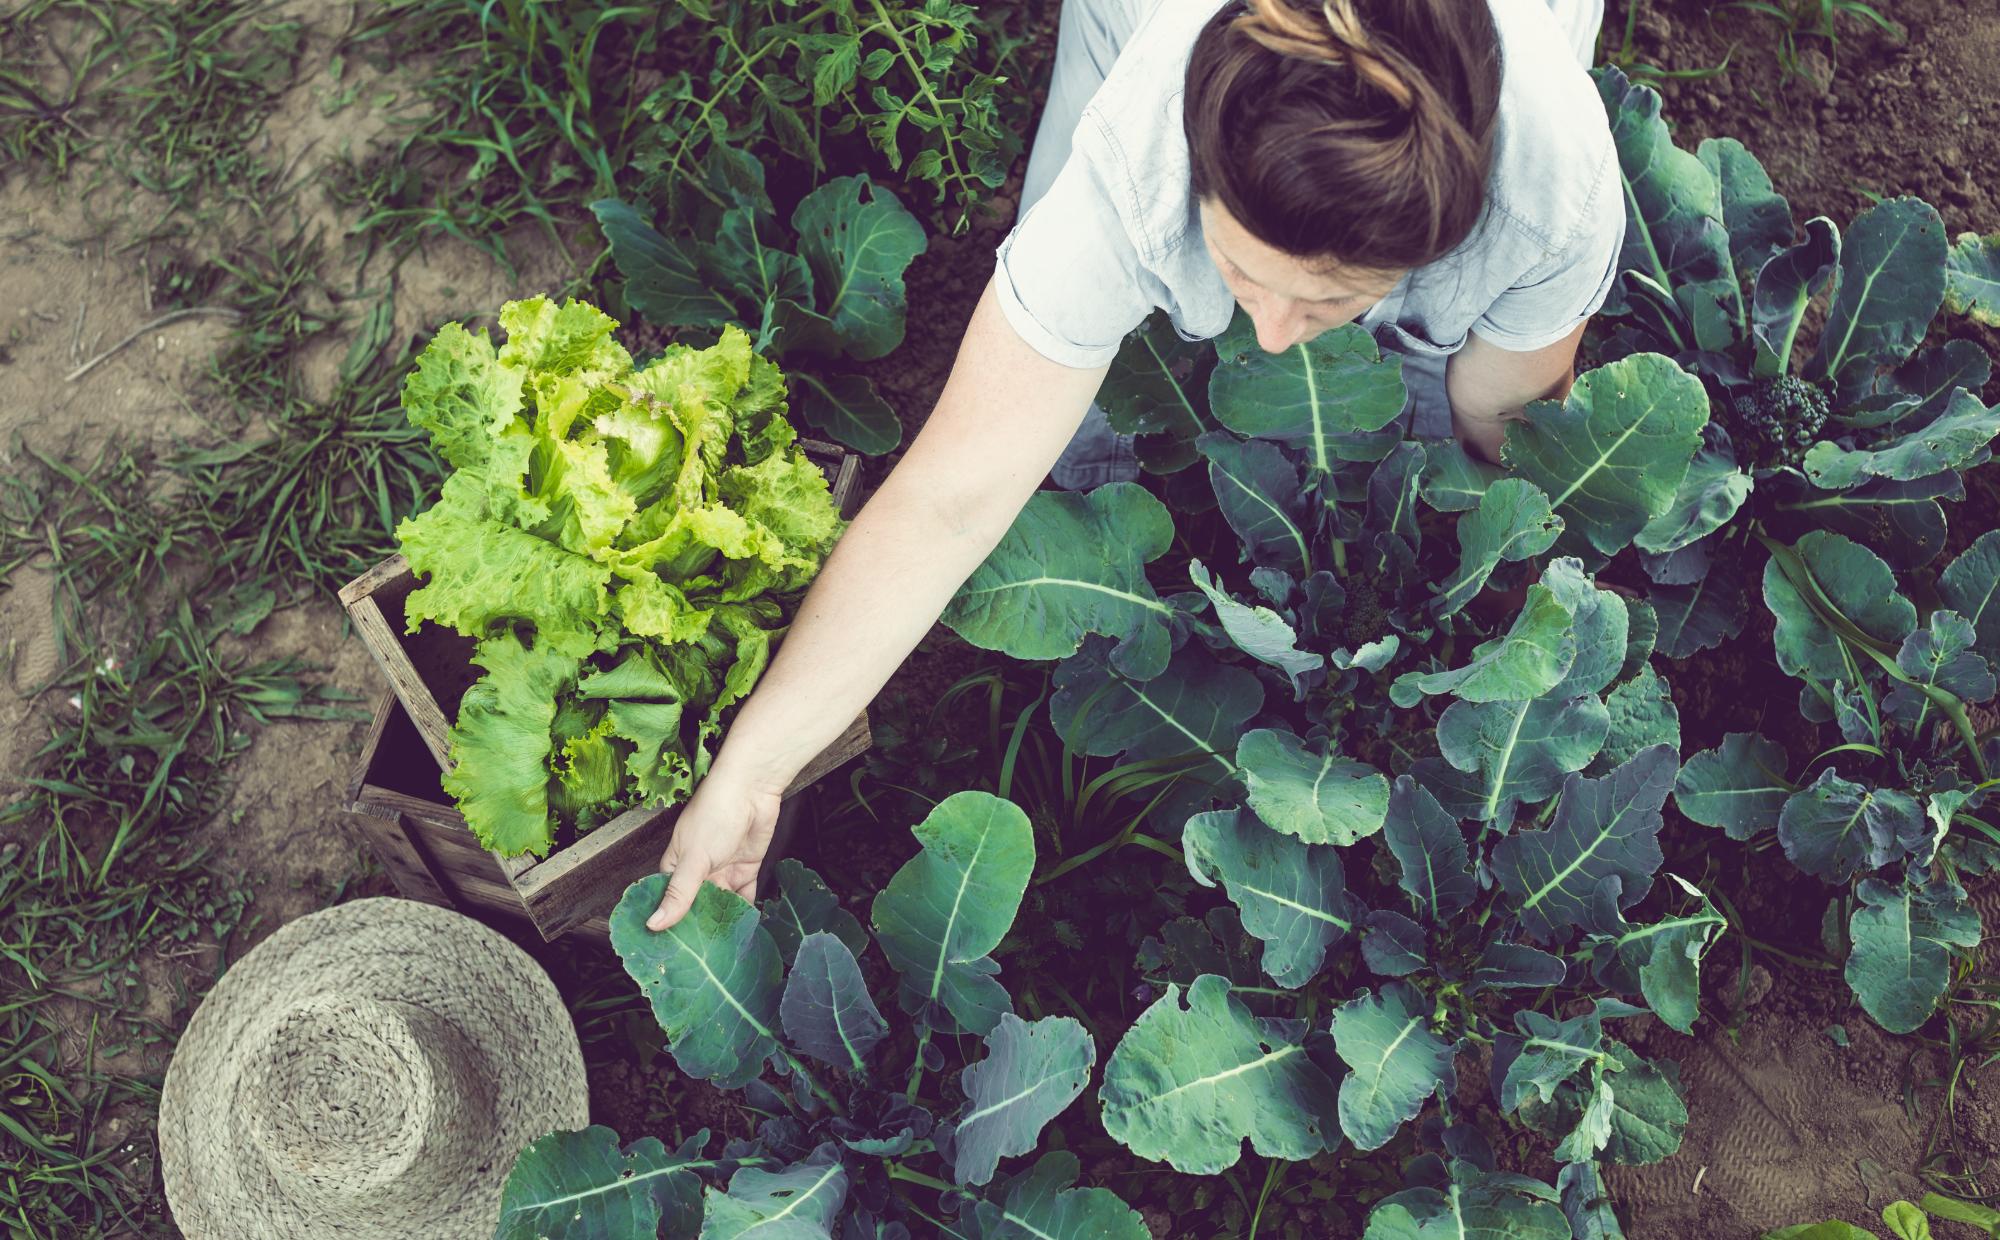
pixel 1003 419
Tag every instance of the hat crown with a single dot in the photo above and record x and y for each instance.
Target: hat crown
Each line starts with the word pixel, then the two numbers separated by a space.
pixel 358 1101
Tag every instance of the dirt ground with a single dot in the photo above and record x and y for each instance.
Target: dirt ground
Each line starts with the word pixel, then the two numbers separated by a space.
pixel 1787 1125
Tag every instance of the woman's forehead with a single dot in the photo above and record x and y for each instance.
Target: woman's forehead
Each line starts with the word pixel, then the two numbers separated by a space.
pixel 1287 274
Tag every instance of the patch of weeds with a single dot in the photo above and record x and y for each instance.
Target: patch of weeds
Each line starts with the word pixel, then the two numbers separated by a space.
pixel 45 113
pixel 1801 19
pixel 183 85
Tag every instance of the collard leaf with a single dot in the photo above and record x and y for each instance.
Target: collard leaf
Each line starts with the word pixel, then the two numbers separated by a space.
pixel 580 1185
pixel 1394 1062
pixel 1972 278
pixel 1530 659
pixel 858 240
pixel 1430 852
pixel 1698 617
pixel 1970 585
pixel 1551 1052
pixel 1216 944
pixel 1904 939
pixel 1603 828
pixel 1758 217
pixel 1902 522
pixel 1857 584
pixel 1600 628
pixel 799 1202
pixel 1320 798
pixel 1190 1082
pixel 1073 564
pixel 1041 1205
pixel 847 409
pixel 1785 286
pixel 1157 389
pixel 1451 480
pixel 1259 632
pixel 1520 751
pixel 1676 240
pixel 1739 786
pixel 1642 714
pixel 1708 496
pixel 1308 397
pixel 803 906
pixel 712 979
pixel 1513 522
pixel 1890 284
pixel 1031 1073
pixel 1612 454
pixel 1961 436
pixel 1196 708
pixel 1660 961
pixel 663 277
pixel 1834 828
pixel 1291 895
pixel 1516 966
pixel 1586 1202
pixel 1392 945
pixel 1471 1205
pixel 1941 655
pixel 1259 491
pixel 951 904
pixel 826 1008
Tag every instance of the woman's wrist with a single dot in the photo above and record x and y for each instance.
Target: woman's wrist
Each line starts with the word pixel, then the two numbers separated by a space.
pixel 754 762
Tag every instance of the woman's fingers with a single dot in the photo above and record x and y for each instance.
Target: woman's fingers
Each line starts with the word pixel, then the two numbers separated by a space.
pixel 685 875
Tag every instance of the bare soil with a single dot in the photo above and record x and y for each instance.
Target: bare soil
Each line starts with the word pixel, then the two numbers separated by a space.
pixel 1788 1126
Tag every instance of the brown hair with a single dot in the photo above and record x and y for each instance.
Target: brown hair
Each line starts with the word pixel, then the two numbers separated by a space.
pixel 1364 143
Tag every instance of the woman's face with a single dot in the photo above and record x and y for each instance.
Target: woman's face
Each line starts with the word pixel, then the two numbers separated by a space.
pixel 1289 299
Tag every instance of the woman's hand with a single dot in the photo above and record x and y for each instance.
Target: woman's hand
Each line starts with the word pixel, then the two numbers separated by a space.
pixel 721 837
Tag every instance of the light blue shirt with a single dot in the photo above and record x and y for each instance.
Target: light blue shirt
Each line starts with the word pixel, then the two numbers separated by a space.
pixel 1118 235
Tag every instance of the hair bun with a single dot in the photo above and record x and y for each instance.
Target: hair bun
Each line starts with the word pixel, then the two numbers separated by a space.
pixel 1335 36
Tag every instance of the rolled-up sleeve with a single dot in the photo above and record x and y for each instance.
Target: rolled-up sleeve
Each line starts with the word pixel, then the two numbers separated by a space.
pixel 1068 276
pixel 1570 282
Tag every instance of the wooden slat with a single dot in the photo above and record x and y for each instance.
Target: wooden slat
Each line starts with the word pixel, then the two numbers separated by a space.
pixel 590 874
pixel 377 634
pixel 374 579
pixel 385 706
pixel 445 828
pixel 401 857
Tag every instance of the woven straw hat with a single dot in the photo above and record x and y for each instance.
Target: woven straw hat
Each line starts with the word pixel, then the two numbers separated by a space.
pixel 370 1070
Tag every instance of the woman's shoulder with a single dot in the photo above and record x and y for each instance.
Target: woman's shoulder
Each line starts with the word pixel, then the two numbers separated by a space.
pixel 1554 161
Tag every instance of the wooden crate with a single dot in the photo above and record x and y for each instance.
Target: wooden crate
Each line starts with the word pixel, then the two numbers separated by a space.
pixel 396 797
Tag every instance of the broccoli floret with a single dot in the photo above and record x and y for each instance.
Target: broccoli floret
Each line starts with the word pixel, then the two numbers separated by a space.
pixel 1778 419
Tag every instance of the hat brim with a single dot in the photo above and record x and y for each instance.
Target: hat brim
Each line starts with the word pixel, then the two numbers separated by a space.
pixel 219 1185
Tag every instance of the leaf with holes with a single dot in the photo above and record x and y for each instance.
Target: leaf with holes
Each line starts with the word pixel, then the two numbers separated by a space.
pixel 712 979
pixel 1191 1081
pixel 577 1185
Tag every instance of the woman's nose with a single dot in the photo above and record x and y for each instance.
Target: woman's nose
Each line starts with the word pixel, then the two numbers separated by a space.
pixel 1279 325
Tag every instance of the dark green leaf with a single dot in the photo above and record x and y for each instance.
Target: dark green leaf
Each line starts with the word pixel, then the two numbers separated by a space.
pixel 1031 1073
pixel 1890 284
pixel 1430 851
pixel 1604 829
pixel 1394 1062
pixel 1904 939
pixel 858 240
pixel 1291 895
pixel 712 979
pixel 848 409
pixel 827 1011
pixel 1739 786
pixel 1309 396
pixel 1320 798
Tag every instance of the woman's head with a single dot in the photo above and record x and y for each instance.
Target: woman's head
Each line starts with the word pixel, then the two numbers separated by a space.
pixel 1335 148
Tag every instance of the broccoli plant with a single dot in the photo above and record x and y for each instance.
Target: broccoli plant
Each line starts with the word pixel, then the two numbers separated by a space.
pixel 1434 819
pixel 1864 435
pixel 830 290
pixel 775 1002
pixel 1898 811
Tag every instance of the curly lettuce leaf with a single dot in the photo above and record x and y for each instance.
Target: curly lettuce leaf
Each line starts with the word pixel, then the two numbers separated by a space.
pixel 500 744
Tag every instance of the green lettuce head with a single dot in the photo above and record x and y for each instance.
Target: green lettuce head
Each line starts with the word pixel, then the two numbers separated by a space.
pixel 626 545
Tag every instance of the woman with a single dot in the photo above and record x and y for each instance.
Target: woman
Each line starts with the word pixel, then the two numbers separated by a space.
pixel 1440 171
